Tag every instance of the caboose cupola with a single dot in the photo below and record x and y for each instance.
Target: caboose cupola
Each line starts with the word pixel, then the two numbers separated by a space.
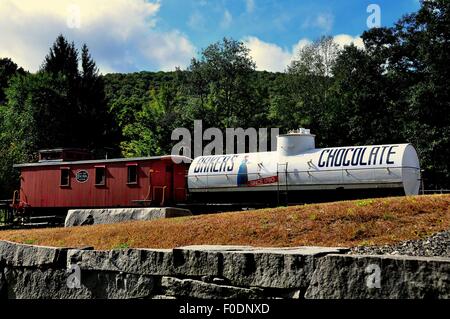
pixel 64 155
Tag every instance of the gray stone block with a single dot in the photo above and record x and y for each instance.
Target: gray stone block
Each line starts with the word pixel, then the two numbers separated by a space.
pixel 240 265
pixel 194 262
pixel 354 276
pixel 272 267
pixel 162 262
pixel 267 270
pixel 26 283
pixel 14 254
pixel 257 266
pixel 114 285
pixel 80 217
pixel 35 283
pixel 133 261
pixel 189 288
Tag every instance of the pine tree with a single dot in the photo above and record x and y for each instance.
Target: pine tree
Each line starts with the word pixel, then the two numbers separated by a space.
pixel 63 59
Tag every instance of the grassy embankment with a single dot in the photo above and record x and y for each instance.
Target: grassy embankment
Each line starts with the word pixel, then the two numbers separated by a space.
pixel 346 223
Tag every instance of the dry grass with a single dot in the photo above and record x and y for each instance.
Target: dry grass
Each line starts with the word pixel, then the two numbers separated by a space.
pixel 348 223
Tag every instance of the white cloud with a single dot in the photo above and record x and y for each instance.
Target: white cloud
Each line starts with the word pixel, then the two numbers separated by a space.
pixel 172 50
pixel 299 45
pixel 197 21
pixel 345 39
pixel 119 33
pixel 268 56
pixel 271 57
pixel 226 20
pixel 323 21
pixel 250 5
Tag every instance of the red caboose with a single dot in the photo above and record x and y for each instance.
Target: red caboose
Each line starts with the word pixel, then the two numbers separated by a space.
pixel 66 178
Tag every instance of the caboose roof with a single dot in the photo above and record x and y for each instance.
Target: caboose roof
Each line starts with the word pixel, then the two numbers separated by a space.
pixel 105 161
pixel 60 149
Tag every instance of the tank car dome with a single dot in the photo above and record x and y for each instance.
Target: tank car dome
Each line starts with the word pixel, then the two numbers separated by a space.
pixel 295 142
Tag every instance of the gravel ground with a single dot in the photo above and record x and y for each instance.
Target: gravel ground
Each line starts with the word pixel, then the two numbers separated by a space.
pixel 435 245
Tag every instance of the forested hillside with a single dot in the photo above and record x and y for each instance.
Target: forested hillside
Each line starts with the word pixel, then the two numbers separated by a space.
pixel 394 90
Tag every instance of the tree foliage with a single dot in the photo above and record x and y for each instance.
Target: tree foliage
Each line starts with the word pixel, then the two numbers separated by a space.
pixel 59 106
pixel 220 78
pixel 7 70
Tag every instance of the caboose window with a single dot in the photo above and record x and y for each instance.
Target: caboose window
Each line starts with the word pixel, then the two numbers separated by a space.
pixel 132 174
pixel 100 176
pixel 65 176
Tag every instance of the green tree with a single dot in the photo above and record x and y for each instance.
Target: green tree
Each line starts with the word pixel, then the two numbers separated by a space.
pixel 93 107
pixel 304 98
pixel 221 80
pixel 84 116
pixel 150 133
pixel 317 58
pixel 362 110
pixel 22 119
pixel 415 55
pixel 7 70
pixel 56 107
pixel 62 58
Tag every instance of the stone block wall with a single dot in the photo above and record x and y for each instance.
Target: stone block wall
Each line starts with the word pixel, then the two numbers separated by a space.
pixel 211 272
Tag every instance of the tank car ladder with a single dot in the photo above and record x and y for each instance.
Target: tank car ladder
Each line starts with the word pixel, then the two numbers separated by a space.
pixel 282 169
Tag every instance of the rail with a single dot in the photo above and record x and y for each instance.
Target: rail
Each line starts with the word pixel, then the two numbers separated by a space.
pixel 435 191
pixel 15 196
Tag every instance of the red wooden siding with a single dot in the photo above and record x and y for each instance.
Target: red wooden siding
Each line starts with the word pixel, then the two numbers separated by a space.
pixel 40 185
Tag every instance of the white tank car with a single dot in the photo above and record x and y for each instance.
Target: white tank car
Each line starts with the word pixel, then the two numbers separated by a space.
pixel 297 166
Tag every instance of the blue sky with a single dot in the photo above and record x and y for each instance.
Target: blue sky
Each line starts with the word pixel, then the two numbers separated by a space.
pixel 136 35
pixel 281 22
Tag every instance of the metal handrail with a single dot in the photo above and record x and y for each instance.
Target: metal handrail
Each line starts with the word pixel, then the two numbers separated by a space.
pixel 15 196
pixel 308 171
pixel 163 193
pixel 316 171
